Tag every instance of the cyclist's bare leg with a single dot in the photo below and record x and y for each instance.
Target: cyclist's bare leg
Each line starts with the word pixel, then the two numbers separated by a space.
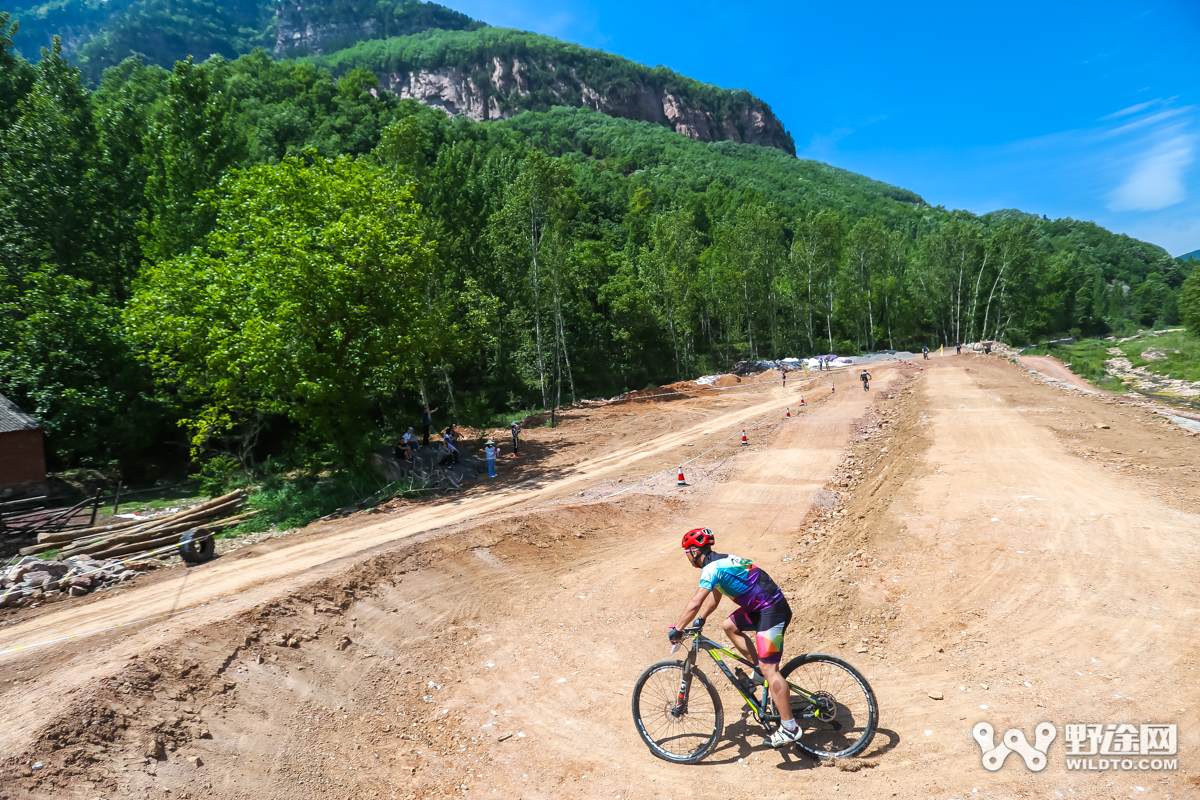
pixel 779 690
pixel 778 685
pixel 741 642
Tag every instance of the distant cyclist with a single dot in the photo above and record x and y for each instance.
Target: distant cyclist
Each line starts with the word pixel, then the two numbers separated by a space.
pixel 866 379
pixel 925 352
pixel 762 609
pixel 958 348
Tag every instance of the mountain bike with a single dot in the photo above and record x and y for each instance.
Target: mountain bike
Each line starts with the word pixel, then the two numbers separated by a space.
pixel 679 716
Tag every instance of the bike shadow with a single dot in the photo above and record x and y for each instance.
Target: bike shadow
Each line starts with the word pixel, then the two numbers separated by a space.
pixel 744 738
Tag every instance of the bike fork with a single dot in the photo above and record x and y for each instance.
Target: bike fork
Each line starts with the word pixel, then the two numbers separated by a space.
pixel 684 684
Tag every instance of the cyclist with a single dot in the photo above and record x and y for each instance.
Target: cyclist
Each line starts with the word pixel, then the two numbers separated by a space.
pixel 762 609
pixel 866 380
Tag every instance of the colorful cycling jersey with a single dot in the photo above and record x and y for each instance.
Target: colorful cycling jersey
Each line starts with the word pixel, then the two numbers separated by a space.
pixel 739 580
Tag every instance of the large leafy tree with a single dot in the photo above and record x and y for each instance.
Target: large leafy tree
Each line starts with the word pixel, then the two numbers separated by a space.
pixel 16 74
pixel 309 300
pixel 187 150
pixel 48 192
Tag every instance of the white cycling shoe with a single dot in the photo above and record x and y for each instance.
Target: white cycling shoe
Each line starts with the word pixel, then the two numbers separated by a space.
pixel 782 738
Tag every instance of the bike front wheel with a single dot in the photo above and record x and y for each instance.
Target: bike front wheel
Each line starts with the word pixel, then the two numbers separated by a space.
pixel 840 719
pixel 680 735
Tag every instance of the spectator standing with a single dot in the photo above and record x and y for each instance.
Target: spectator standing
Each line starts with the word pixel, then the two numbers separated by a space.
pixel 515 430
pixel 491 451
pixel 958 348
pixel 427 423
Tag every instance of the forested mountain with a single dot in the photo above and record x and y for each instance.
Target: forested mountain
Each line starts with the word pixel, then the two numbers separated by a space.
pixel 419 50
pixel 283 259
pixel 494 73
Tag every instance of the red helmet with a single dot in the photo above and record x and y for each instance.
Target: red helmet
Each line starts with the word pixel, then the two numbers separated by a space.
pixel 698 537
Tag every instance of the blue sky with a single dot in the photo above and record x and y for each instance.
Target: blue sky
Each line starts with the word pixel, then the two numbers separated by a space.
pixel 1087 110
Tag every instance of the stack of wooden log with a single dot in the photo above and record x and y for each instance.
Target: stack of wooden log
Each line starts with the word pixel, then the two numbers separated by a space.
pixel 138 536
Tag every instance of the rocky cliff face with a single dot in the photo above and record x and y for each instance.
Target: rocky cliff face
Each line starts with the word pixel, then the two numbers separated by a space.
pixel 296 34
pixel 507 90
pixel 319 26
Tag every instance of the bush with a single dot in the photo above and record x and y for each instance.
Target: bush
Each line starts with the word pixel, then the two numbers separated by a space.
pixel 218 475
pixel 294 502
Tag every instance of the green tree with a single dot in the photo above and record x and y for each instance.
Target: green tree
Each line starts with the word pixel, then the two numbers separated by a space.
pixel 1189 303
pixel 64 357
pixel 188 150
pixel 308 299
pixel 867 251
pixel 668 270
pixel 48 202
pixel 534 205
pixel 16 74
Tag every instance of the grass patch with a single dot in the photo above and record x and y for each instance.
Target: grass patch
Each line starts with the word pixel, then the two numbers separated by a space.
pixel 1085 358
pixel 179 497
pixel 1182 351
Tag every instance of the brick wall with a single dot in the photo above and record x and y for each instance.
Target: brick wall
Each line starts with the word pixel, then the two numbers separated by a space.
pixel 22 458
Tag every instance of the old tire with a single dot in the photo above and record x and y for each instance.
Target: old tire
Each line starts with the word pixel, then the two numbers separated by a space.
pixel 196 548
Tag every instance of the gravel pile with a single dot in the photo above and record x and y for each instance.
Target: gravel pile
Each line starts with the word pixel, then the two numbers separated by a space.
pixel 33 579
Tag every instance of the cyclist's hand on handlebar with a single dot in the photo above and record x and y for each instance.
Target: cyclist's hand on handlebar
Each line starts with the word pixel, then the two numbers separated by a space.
pixel 674 634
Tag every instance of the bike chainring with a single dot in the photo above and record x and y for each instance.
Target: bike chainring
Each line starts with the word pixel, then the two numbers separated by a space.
pixel 826 704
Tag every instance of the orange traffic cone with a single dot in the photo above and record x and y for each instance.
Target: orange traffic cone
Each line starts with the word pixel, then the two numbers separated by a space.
pixel 681 481
pixel 744 442
pixel 789 414
pixel 802 400
pixel 832 389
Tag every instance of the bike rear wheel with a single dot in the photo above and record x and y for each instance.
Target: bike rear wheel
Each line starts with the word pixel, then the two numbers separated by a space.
pixel 680 737
pixel 840 720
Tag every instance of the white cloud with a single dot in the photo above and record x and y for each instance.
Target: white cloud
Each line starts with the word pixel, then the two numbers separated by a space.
pixel 1157 179
pixel 1124 112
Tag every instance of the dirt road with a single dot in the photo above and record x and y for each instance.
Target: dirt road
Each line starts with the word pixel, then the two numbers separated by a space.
pixel 973 537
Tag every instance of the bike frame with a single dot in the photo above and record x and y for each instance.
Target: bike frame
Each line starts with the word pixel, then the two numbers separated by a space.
pixel 718 655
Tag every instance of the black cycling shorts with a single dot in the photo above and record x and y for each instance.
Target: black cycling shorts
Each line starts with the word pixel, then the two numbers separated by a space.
pixel 769 625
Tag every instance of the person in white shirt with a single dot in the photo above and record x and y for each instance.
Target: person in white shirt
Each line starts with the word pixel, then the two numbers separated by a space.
pixel 491 451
